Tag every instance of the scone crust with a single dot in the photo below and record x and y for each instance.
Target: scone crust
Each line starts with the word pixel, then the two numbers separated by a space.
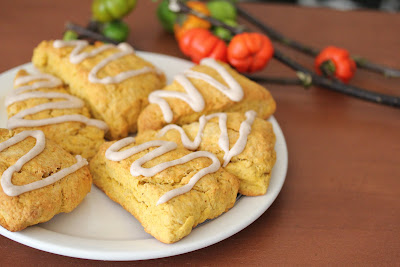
pixel 255 98
pixel 117 104
pixel 75 137
pixel 253 166
pixel 40 205
pixel 212 195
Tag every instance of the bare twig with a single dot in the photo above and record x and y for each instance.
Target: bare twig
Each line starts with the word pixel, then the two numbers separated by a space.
pixel 338 86
pixel 315 79
pixel 88 33
pixel 277 36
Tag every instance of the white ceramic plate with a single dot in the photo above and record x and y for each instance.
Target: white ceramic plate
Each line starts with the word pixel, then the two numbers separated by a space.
pixel 102 230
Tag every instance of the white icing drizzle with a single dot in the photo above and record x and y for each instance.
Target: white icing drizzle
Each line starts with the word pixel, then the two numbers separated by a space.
pixel 223 142
pixel 244 131
pixel 136 169
pixel 14 190
pixel 78 56
pixel 192 96
pixel 234 92
pixel 45 81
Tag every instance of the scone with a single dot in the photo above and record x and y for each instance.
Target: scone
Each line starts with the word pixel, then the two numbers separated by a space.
pixel 248 152
pixel 63 120
pixel 204 89
pixel 162 200
pixel 112 80
pixel 51 182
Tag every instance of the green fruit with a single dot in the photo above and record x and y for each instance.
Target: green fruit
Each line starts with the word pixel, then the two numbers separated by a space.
pixel 108 10
pixel 223 33
pixel 70 35
pixel 222 10
pixel 166 16
pixel 100 12
pixel 116 30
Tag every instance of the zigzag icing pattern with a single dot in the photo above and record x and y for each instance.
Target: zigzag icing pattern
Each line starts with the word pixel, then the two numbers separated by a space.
pixel 78 56
pixel 14 190
pixel 223 142
pixel 192 96
pixel 45 81
pixel 136 169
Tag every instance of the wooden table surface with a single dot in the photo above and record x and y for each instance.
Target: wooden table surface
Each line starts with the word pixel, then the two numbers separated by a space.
pixel 340 202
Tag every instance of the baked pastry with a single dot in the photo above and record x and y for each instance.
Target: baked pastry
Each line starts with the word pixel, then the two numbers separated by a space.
pixel 160 194
pixel 41 102
pixel 244 144
pixel 112 80
pixel 204 89
pixel 39 179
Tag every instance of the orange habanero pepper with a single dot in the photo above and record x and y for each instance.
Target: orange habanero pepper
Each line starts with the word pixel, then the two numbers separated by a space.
pixel 191 20
pixel 335 61
pixel 200 43
pixel 250 52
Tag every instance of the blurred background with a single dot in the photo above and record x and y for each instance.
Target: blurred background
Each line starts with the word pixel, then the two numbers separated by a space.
pixel 384 5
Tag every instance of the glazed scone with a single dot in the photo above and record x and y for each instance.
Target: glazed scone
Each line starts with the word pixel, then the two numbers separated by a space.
pixel 118 104
pixel 253 166
pixel 254 97
pixel 75 137
pixel 39 205
pixel 169 222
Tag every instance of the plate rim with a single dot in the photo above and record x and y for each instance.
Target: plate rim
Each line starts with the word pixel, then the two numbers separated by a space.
pixel 43 239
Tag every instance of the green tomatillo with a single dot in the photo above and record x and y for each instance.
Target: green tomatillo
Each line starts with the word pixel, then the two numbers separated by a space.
pixel 108 10
pixel 166 17
pixel 70 35
pixel 223 33
pixel 222 10
pixel 116 30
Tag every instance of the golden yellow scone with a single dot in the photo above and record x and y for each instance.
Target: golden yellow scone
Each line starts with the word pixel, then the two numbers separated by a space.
pixel 117 104
pixel 169 222
pixel 255 98
pixel 75 137
pixel 253 166
pixel 40 205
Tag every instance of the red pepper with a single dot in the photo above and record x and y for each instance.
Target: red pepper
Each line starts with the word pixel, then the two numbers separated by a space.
pixel 250 52
pixel 200 43
pixel 334 61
